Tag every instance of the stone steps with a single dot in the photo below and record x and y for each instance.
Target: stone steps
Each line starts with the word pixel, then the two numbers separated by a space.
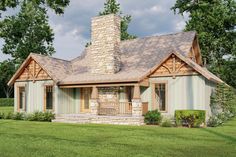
pixel 83 119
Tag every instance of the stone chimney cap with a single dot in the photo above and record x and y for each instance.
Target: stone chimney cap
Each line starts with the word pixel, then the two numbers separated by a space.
pixel 102 16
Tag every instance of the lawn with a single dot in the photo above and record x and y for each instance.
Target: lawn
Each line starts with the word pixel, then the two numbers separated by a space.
pixel 22 138
pixel 6 109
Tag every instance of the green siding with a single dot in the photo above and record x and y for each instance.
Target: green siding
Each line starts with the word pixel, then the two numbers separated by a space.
pixel 185 92
pixel 68 101
pixel 34 95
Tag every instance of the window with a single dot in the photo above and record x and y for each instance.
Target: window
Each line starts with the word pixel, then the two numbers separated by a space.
pixel 160 94
pixel 21 98
pixel 49 97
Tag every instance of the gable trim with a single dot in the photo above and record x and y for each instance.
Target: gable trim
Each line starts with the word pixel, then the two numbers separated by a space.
pixel 23 67
pixel 173 66
pixel 189 62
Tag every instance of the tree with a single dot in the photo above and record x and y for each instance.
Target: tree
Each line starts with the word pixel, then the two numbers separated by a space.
pixel 27 32
pixel 7 69
pixel 57 5
pixel 215 22
pixel 223 100
pixel 112 7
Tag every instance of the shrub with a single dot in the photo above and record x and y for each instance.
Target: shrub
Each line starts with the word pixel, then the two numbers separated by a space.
pixel 2 116
pixel 219 119
pixel 36 116
pixel 6 101
pixel 41 116
pixel 166 123
pixel 191 118
pixel 214 121
pixel 18 116
pixel 8 115
pixel 152 117
pixel 49 116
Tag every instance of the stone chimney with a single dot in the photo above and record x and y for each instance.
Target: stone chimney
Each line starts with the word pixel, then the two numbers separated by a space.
pixel 104 50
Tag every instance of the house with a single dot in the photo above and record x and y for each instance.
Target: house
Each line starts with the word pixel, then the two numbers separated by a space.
pixel 116 81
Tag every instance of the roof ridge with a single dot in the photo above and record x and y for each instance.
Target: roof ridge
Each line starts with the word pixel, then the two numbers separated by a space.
pixel 49 57
pixel 151 36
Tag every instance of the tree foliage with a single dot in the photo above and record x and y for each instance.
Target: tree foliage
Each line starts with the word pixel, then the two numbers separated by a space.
pixel 7 69
pixel 27 32
pixel 224 98
pixel 113 7
pixel 57 5
pixel 215 22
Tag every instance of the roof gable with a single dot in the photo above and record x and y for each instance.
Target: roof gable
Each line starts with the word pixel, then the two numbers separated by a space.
pixel 183 66
pixel 33 71
pixel 30 69
pixel 173 66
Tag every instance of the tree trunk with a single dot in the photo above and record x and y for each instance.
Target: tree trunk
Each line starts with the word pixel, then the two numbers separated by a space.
pixel 8 90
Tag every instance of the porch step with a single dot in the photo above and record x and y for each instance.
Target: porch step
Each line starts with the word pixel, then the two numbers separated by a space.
pixel 96 119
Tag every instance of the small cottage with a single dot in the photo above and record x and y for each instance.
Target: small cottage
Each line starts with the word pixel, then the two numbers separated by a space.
pixel 114 81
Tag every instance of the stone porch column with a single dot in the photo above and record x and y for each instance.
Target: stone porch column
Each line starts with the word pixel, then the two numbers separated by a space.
pixel 136 102
pixel 94 101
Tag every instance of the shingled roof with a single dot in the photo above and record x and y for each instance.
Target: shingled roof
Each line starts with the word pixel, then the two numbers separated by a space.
pixel 138 57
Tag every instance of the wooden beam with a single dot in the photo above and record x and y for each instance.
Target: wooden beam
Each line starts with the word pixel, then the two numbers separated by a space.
pixel 174 66
pixel 137 94
pixel 97 85
pixel 94 93
pixel 38 72
pixel 144 82
pixel 34 67
pixel 167 68
pixel 180 67
pixel 169 75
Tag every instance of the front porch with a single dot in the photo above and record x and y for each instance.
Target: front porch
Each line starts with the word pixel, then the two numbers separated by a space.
pixel 114 104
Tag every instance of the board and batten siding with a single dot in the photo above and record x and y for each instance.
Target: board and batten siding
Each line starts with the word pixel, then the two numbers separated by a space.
pixel 34 95
pixel 146 96
pixel 68 101
pixel 184 92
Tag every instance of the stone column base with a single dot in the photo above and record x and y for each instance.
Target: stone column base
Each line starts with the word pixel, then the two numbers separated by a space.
pixel 137 107
pixel 94 106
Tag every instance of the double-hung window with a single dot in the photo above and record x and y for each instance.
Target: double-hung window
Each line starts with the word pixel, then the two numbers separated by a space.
pixel 49 97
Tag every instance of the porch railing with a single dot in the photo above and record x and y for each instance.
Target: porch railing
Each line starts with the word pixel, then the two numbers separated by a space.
pixel 114 108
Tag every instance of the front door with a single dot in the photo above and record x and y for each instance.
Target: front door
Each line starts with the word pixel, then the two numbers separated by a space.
pixel 85 95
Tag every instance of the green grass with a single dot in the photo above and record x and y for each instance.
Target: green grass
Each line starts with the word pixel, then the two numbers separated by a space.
pixel 31 139
pixel 6 109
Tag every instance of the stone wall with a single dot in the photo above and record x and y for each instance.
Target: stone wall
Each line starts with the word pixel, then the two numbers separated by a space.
pixel 108 94
pixel 104 50
pixel 82 119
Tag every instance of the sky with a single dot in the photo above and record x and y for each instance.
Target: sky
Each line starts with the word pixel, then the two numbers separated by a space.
pixel 72 29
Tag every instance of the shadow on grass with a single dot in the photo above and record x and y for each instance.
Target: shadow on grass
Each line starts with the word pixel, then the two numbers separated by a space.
pixel 226 137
